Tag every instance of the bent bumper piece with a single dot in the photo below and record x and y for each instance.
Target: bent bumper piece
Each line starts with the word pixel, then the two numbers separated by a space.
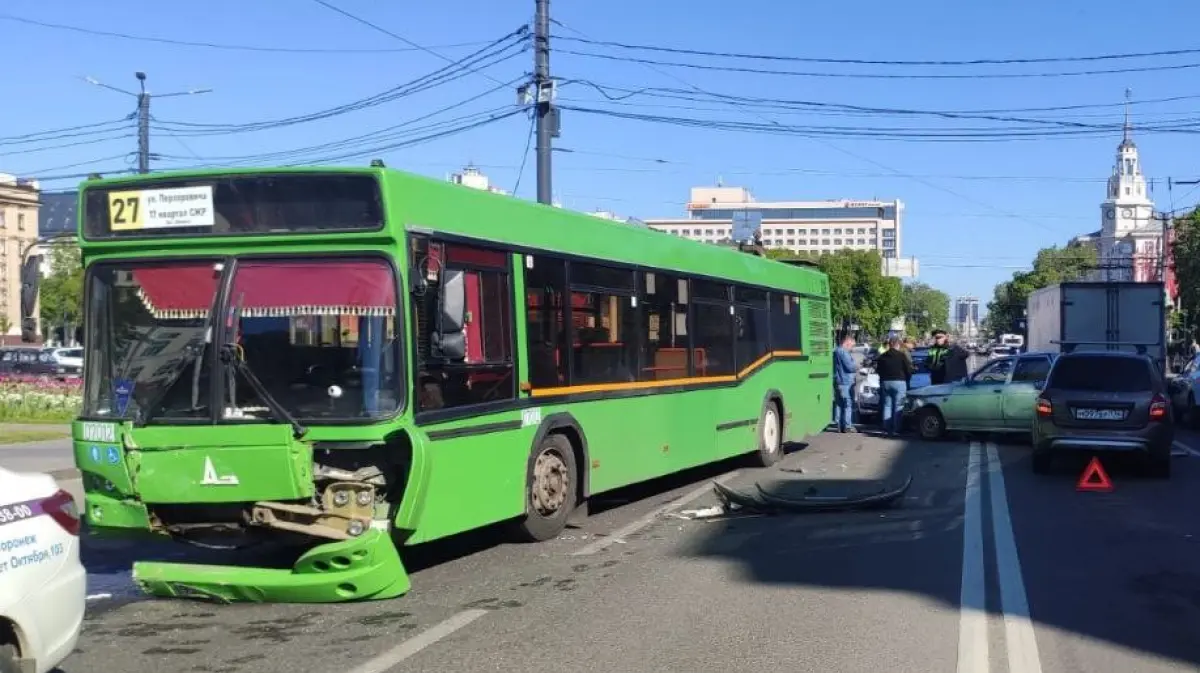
pixel 364 568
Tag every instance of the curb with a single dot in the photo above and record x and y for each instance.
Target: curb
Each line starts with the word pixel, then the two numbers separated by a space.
pixel 66 473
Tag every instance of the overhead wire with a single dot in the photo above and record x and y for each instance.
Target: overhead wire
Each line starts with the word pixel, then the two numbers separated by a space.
pixel 396 36
pixel 856 61
pixel 377 136
pixel 497 52
pixel 849 153
pixel 877 75
pixel 229 47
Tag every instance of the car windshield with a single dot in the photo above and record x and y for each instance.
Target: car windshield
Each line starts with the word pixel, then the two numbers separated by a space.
pixel 1101 374
pixel 319 336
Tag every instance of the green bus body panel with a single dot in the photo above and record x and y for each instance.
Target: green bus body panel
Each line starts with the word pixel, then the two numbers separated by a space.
pixel 460 476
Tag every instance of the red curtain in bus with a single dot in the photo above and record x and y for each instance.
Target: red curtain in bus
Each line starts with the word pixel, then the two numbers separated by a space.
pixel 274 289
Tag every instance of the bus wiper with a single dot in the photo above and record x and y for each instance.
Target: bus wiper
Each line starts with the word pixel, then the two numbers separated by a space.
pixel 233 361
pixel 190 354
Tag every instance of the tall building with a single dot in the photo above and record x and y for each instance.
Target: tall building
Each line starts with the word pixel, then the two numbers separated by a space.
pixel 18 230
pixel 966 316
pixel 798 226
pixel 1129 243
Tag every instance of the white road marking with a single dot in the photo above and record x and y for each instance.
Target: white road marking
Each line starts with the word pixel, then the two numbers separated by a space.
pixel 972 618
pixel 1186 449
pixel 618 537
pixel 384 662
pixel 1019 635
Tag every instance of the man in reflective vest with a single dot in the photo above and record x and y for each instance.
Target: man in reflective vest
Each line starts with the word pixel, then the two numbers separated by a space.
pixel 947 361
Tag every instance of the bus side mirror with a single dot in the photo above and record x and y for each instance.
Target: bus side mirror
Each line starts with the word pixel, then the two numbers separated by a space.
pixel 449 340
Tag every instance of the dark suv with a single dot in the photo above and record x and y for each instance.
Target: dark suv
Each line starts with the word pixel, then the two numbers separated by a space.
pixel 1104 401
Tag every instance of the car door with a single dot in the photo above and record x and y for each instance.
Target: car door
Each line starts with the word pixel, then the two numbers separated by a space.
pixel 977 402
pixel 1020 393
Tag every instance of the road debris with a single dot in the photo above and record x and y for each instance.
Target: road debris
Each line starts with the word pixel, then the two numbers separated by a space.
pixel 763 501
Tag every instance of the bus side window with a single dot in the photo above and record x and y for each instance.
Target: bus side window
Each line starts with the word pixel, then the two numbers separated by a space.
pixel 664 327
pixel 604 335
pixel 752 324
pixel 464 321
pixel 546 320
pixel 713 329
pixel 785 323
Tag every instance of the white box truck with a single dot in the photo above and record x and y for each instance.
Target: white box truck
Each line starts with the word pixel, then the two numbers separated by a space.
pixel 1098 316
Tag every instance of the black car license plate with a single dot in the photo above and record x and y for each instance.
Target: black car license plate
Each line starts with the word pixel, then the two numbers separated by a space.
pixel 1100 414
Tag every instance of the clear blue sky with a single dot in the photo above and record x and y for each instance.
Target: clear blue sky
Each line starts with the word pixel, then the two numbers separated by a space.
pixel 968 233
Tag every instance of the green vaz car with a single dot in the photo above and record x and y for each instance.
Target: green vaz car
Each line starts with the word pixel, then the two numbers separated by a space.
pixel 998 397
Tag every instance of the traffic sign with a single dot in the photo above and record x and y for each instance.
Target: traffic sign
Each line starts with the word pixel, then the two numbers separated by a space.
pixel 1094 478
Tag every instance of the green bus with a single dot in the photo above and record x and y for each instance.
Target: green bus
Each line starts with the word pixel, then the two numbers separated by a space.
pixel 344 361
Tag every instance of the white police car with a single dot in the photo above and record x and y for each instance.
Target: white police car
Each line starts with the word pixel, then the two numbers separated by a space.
pixel 43 585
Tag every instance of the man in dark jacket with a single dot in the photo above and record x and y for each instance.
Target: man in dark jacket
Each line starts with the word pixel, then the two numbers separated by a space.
pixel 947 361
pixel 894 369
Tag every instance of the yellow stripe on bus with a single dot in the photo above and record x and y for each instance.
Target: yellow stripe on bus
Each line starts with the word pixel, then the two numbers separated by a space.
pixel 663 383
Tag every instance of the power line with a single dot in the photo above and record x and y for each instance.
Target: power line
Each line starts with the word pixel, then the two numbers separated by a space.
pixel 958 135
pixel 846 152
pixel 525 154
pixel 809 107
pixel 379 135
pixel 495 53
pixel 854 61
pixel 228 47
pixel 907 76
pixel 376 27
pixel 67 132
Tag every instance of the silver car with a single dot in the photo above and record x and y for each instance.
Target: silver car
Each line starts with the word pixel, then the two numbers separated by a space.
pixel 1106 401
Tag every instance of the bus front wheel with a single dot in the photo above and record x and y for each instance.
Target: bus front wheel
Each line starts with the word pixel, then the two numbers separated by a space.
pixel 549 489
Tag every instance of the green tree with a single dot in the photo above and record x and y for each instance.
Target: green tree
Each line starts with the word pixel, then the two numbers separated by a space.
pixel 1052 265
pixel 859 293
pixel 1186 253
pixel 61 291
pixel 926 308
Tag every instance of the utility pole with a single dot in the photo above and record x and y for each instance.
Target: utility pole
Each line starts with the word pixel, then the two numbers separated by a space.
pixel 143 113
pixel 543 91
pixel 143 119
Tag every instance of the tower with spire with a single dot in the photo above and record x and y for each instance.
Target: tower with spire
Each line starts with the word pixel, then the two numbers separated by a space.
pixel 1128 232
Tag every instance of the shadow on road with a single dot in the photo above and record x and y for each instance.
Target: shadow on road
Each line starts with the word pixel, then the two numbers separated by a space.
pixel 1120 568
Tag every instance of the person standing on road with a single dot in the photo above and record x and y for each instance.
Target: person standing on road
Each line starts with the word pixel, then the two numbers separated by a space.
pixel 894 369
pixel 909 345
pixel 947 361
pixel 844 371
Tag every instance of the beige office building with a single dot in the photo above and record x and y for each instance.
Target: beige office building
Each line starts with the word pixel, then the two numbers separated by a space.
pixel 18 229
pixel 800 226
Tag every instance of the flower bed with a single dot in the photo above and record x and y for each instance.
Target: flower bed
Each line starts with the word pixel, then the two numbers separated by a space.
pixel 28 399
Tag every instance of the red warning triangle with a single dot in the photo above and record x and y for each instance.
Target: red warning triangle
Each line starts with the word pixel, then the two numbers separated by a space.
pixel 1094 478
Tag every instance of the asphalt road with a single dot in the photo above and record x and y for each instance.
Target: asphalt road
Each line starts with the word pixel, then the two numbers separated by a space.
pixel 1051 580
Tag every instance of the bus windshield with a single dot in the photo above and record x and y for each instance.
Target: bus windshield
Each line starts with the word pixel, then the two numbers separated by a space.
pixel 316 336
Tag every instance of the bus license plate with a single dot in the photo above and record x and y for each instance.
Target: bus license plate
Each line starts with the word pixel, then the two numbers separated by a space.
pixel 1099 415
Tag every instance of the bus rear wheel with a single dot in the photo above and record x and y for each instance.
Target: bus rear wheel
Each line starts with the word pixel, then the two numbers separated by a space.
pixel 770 435
pixel 549 490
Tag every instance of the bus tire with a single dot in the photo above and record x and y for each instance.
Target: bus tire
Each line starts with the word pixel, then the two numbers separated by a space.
pixel 770 435
pixel 550 489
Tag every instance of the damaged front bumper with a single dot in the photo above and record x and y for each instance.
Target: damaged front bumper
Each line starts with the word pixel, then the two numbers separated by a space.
pixel 362 568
